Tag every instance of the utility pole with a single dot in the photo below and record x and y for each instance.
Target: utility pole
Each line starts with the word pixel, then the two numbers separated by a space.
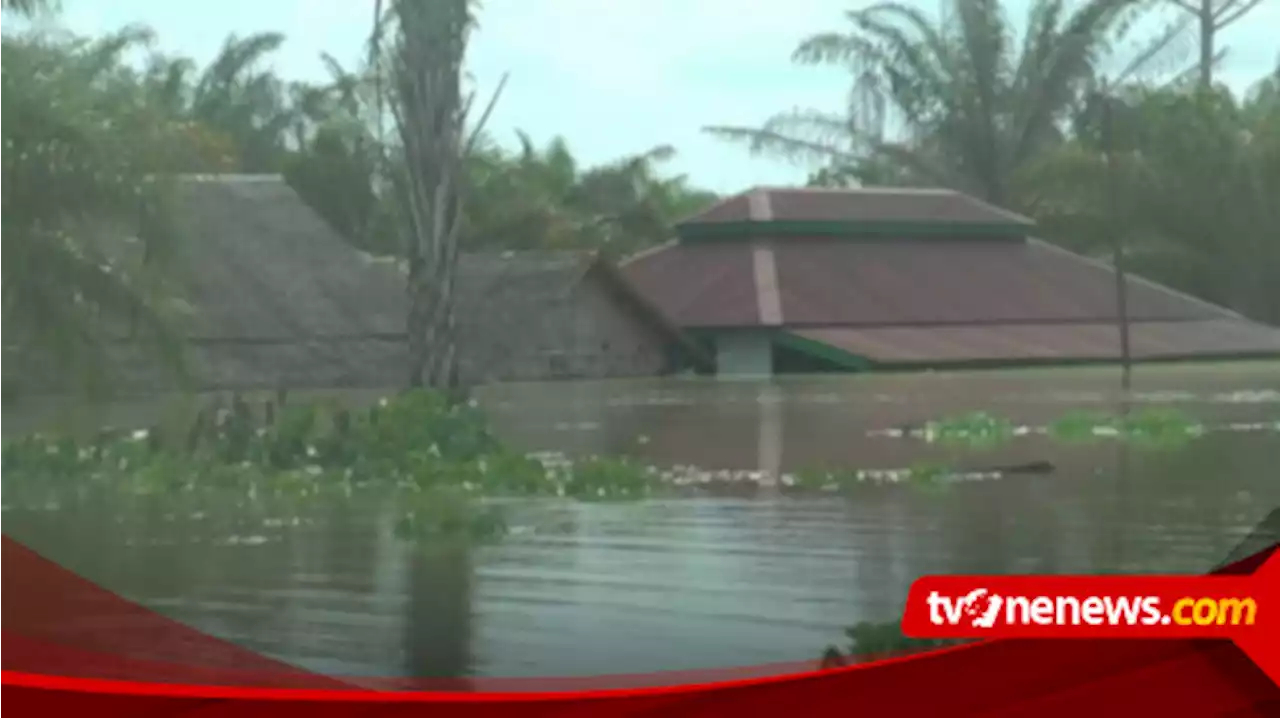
pixel 1117 251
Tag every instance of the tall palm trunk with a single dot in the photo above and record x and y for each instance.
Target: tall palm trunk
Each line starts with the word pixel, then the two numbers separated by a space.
pixel 1117 249
pixel 1207 35
pixel 430 114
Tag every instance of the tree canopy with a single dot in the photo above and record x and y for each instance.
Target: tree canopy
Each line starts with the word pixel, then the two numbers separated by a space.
pixel 958 101
pixel 89 138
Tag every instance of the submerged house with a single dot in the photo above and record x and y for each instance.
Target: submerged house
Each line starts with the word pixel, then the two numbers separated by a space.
pixel 275 299
pixel 776 280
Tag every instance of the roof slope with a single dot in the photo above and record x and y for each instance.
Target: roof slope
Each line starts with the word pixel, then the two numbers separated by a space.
pixel 259 264
pixel 905 300
pixel 847 283
pixel 873 205
pixel 277 298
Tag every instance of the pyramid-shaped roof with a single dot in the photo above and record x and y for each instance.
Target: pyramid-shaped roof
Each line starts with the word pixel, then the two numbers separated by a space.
pixel 846 269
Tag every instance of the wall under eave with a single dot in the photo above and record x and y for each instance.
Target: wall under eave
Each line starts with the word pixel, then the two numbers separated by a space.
pixel 744 353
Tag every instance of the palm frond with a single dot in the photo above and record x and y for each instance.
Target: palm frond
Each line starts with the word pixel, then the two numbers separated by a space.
pixel 774 143
pixel 31 8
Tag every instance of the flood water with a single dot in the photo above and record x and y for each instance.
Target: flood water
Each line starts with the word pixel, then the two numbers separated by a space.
pixel 759 576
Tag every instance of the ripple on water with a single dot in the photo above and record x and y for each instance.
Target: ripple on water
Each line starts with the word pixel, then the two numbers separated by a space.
pixel 1265 396
pixel 238 540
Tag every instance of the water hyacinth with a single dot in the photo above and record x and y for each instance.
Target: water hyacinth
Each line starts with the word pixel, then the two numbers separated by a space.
pixel 1150 426
pixel 419 444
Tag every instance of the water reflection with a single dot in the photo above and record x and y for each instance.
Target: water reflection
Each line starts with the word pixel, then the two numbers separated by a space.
pixel 580 589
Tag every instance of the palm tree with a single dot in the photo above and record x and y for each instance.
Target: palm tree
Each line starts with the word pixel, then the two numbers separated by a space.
pixel 975 107
pixel 29 8
pixel 83 225
pixel 248 106
pixel 422 66
pixel 1212 17
pixel 541 198
pixel 630 207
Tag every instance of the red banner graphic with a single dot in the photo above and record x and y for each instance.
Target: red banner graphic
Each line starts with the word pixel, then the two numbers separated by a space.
pixel 1244 609
pixel 141 663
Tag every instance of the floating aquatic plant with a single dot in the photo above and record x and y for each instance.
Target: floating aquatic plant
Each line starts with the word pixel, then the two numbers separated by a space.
pixel 1081 426
pixel 1153 426
pixel 430 450
pixel 1158 426
pixel 975 429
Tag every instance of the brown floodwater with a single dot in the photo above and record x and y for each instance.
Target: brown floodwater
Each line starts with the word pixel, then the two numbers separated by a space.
pixel 759 576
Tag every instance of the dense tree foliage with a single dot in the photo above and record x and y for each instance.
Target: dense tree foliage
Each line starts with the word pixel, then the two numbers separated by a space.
pixel 90 135
pixel 955 101
pixel 84 222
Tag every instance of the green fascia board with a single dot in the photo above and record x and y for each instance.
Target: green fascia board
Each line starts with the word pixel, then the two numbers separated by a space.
pixel 822 351
pixel 741 230
pixel 855 362
pixel 1070 362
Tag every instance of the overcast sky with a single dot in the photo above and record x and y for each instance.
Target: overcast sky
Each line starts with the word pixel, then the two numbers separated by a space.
pixel 612 76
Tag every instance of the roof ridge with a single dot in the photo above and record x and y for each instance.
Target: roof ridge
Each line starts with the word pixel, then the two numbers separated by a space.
pixel 764 204
pixel 874 189
pixel 649 252
pixel 228 177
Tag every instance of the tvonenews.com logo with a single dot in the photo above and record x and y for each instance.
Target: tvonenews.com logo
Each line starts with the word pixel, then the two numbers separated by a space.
pixel 980 608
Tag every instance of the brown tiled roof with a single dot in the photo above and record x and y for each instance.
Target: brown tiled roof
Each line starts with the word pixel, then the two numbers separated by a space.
pixel 825 281
pixel 865 205
pixel 1045 342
